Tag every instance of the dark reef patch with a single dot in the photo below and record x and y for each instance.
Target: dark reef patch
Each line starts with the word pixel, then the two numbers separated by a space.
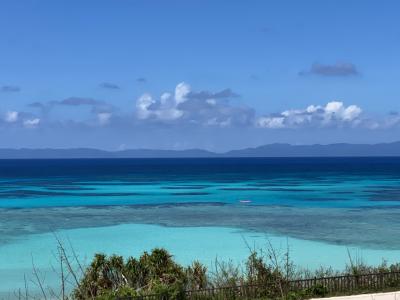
pixel 240 189
pixel 186 187
pixel 31 193
pixel 190 194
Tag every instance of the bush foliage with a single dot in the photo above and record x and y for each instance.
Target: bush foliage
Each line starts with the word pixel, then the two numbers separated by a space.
pixel 264 275
pixel 156 273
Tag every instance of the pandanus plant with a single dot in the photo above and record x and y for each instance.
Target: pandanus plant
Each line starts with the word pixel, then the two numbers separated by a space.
pixel 154 272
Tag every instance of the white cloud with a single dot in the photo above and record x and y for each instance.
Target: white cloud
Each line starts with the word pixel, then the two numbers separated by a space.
pixel 211 101
pixel 271 122
pixel 390 121
pixel 142 106
pixel 334 113
pixel 351 112
pixel 181 92
pixel 11 116
pixel 104 118
pixel 333 107
pixel 220 123
pixel 201 108
pixel 165 97
pixel 164 110
pixel 313 108
pixel 336 110
pixel 31 123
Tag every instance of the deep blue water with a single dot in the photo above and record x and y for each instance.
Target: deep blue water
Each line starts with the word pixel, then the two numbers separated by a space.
pixel 303 182
pixel 196 167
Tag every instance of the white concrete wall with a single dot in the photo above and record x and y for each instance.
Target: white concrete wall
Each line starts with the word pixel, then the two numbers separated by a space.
pixel 377 296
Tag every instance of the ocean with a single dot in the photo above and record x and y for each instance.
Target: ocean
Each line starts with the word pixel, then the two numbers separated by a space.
pixel 204 209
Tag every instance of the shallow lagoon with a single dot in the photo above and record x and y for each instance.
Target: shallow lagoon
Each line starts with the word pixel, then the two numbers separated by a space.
pixel 203 243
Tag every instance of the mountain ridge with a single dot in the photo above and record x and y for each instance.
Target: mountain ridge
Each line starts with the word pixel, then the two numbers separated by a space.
pixel 268 150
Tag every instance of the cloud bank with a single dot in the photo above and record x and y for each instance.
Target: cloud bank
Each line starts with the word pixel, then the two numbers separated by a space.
pixel 202 108
pixel 334 113
pixel 184 107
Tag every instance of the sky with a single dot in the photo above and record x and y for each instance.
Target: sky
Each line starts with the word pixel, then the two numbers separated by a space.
pixel 215 75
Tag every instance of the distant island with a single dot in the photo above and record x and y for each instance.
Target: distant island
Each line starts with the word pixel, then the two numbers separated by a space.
pixel 270 150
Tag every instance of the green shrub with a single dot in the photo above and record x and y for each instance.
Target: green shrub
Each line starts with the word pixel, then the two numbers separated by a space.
pixel 152 273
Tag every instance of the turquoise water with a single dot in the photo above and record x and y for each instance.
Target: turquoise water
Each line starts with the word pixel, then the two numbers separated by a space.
pixel 206 244
pixel 193 208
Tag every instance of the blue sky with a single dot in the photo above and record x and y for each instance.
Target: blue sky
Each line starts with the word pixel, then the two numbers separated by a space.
pixel 205 74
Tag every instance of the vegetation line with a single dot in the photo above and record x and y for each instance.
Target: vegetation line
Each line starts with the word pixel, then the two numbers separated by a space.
pixel 266 274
